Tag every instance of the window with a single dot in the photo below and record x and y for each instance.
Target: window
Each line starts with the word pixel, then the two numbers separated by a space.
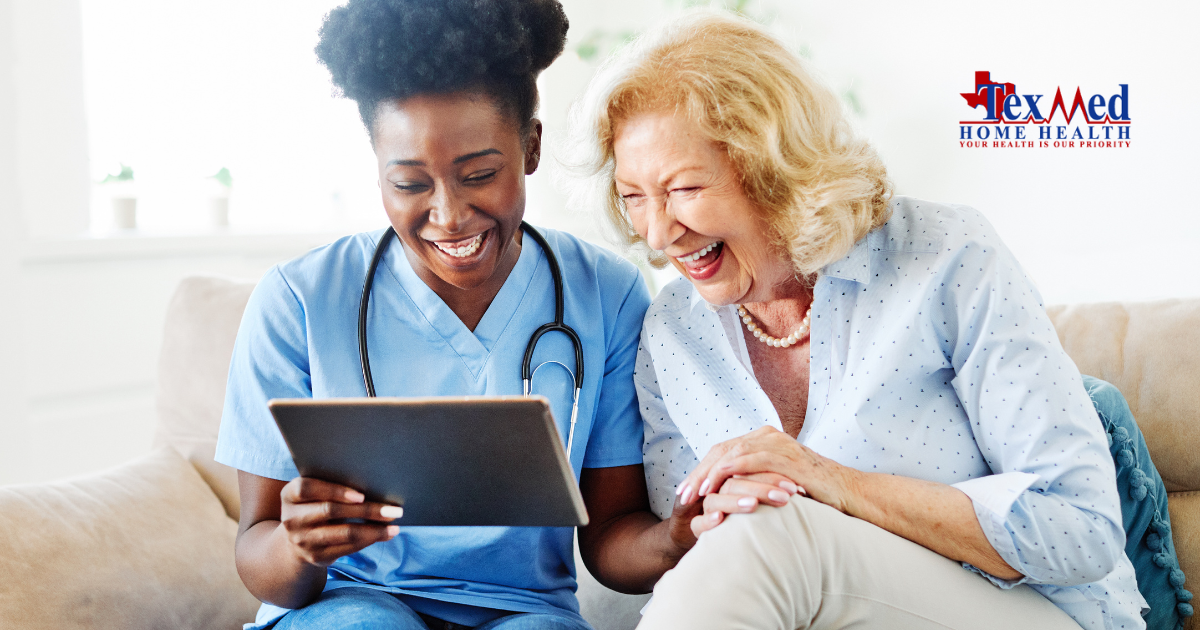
pixel 178 91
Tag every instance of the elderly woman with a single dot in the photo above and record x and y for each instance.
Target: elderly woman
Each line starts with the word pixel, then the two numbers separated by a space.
pixel 879 372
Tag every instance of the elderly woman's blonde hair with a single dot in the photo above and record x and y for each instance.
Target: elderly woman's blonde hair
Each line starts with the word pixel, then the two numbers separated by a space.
pixel 819 186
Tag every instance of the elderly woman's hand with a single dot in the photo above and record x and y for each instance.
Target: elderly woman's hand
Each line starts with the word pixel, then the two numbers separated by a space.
pixel 764 466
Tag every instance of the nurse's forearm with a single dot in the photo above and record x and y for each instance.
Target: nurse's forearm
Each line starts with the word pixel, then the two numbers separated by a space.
pixel 633 552
pixel 272 571
pixel 625 546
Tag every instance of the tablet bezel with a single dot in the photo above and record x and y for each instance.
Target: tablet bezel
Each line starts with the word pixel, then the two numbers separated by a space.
pixel 502 461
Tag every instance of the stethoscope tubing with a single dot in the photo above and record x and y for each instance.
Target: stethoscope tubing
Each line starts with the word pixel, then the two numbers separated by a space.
pixel 558 325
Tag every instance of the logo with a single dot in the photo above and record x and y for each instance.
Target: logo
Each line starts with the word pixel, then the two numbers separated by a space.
pixel 1011 120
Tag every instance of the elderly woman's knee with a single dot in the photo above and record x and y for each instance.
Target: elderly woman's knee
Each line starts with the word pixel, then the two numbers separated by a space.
pixel 799 525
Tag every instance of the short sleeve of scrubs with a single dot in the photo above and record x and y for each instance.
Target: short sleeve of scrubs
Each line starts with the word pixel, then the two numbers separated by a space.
pixel 270 360
pixel 617 433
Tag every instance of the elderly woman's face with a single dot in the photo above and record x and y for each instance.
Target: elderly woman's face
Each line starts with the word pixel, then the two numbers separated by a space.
pixel 685 198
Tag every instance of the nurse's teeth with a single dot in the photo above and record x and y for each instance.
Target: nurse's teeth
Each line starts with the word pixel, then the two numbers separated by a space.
pixel 465 250
pixel 698 255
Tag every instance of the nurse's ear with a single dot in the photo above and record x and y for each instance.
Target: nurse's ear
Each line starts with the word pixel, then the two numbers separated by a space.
pixel 533 146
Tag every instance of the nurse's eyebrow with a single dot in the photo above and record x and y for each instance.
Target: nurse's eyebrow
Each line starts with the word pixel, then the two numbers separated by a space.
pixel 471 156
pixel 458 160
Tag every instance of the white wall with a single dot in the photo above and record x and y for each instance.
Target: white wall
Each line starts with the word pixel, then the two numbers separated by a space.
pixel 51 132
pixel 11 231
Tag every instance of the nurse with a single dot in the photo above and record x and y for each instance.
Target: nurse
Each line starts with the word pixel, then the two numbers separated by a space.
pixel 447 92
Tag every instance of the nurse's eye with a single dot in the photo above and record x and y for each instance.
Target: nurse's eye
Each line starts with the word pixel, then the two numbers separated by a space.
pixel 481 177
pixel 411 187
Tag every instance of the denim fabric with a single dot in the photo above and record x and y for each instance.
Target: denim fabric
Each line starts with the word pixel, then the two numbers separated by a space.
pixel 1148 541
pixel 370 609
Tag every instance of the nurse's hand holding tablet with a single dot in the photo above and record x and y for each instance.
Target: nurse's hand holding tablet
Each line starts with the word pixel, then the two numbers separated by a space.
pixel 315 514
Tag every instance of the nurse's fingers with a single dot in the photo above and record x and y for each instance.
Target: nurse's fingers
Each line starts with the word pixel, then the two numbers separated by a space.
pixel 309 489
pixel 324 545
pixel 299 515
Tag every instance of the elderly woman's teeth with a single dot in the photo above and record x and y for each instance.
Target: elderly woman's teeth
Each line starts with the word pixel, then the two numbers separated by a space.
pixel 698 255
pixel 463 251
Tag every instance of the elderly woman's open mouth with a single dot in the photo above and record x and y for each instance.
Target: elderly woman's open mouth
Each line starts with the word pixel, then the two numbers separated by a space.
pixel 704 262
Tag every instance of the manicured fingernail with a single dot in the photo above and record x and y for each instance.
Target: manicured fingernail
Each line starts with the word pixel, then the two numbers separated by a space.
pixel 747 502
pixel 778 496
pixel 704 487
pixel 716 516
pixel 788 486
pixel 392 530
pixel 800 490
pixel 679 489
pixel 354 496
pixel 686 497
pixel 391 511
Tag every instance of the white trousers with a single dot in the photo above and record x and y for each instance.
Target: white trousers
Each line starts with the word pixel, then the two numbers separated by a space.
pixel 807 565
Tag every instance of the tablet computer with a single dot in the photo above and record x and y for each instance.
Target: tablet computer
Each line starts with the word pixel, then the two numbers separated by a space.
pixel 463 460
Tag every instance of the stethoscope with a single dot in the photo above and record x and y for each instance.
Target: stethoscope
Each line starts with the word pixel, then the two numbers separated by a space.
pixel 526 373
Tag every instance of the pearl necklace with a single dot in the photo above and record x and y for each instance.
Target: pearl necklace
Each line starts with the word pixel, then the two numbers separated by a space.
pixel 775 342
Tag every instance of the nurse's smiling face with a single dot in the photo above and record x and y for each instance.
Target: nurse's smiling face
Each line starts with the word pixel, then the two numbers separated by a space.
pixel 452 172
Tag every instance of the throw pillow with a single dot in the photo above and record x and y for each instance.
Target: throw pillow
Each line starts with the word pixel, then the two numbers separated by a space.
pixel 1147 523
pixel 145 545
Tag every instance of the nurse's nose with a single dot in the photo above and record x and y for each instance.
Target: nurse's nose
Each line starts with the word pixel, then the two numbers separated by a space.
pixel 661 227
pixel 448 210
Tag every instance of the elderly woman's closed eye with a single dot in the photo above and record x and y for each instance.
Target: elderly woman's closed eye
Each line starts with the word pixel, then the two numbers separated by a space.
pixel 877 370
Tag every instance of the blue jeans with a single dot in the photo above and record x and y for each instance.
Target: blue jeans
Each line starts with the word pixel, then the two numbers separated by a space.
pixel 355 608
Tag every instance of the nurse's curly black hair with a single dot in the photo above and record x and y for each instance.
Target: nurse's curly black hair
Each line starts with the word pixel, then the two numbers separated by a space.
pixel 379 50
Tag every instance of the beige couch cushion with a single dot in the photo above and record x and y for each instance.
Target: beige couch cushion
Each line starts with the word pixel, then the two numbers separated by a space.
pixel 145 545
pixel 1151 352
pixel 202 322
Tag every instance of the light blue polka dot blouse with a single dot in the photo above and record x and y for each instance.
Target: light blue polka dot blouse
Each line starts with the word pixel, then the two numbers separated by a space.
pixel 931 357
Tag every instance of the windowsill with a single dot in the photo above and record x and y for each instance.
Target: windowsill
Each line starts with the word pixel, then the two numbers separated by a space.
pixel 140 244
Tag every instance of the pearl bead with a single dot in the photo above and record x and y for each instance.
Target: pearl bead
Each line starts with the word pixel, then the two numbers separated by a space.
pixel 786 342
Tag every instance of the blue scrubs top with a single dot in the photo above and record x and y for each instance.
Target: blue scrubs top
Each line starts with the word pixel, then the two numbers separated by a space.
pixel 298 338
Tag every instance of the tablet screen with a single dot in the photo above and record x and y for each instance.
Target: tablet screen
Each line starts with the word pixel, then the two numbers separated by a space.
pixel 464 460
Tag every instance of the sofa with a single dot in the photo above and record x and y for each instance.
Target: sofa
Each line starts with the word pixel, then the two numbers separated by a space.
pixel 149 544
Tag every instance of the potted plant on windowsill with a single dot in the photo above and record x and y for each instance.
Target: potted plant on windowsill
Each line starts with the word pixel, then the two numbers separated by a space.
pixel 124 199
pixel 218 200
